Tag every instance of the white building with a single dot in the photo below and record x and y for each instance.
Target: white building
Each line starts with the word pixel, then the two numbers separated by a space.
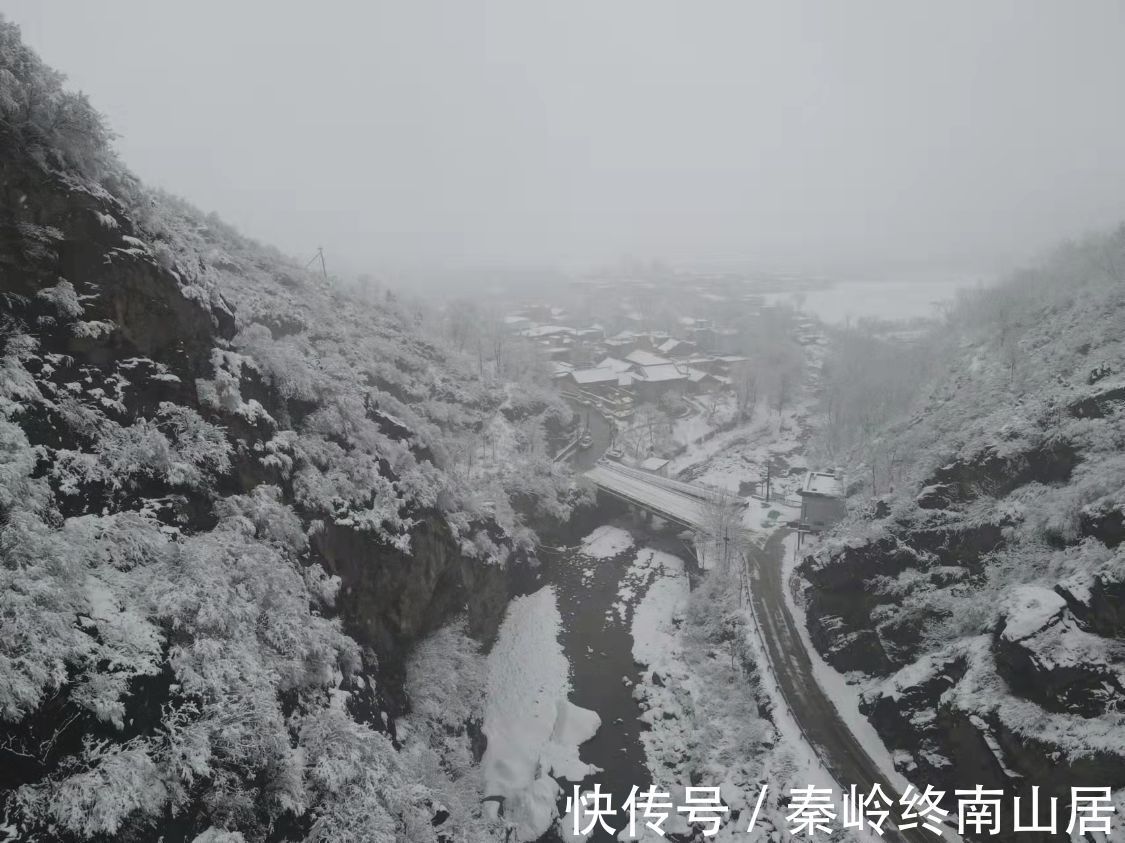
pixel 822 501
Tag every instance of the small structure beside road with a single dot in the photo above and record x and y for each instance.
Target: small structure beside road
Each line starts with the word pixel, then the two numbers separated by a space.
pixel 822 501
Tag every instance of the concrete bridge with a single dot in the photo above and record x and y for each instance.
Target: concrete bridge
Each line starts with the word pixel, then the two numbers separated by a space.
pixel 682 503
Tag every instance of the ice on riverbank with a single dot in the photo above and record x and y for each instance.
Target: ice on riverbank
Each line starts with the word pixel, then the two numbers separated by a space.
pixel 533 730
pixel 705 692
pixel 647 566
pixel 654 629
pixel 606 542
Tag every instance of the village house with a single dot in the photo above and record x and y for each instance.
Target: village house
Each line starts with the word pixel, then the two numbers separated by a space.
pixel 653 383
pixel 676 349
pixel 614 363
pixel 641 357
pixel 554 334
pixel 822 501
pixel 593 333
pixel 598 381
pixel 701 382
pixel 728 362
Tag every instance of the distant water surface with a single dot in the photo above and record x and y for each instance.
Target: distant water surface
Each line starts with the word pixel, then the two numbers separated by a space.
pixel 849 301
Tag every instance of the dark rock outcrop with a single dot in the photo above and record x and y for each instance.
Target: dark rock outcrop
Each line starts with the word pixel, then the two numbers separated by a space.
pixel 1058 650
pixel 1044 656
pixel 994 474
pixel 390 599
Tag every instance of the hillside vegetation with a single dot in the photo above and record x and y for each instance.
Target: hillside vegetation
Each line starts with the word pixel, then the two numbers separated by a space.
pixel 980 598
pixel 230 502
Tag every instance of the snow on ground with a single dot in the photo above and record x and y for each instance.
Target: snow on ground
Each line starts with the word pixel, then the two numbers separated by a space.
pixel 654 621
pixel 709 413
pixel 606 542
pixel 1031 608
pixel 703 709
pixel 533 730
pixel 665 693
pixel 740 455
pixel 764 517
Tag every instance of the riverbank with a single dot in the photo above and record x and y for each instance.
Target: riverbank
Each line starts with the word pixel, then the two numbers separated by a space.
pixel 667 658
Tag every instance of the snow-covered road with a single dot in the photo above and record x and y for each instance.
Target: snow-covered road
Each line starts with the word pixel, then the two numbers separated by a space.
pixel 816 715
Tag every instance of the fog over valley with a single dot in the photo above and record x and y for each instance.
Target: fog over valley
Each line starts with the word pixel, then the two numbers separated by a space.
pixel 869 136
pixel 527 422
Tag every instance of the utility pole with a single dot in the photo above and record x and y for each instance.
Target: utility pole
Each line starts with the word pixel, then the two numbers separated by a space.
pixel 767 482
pixel 319 256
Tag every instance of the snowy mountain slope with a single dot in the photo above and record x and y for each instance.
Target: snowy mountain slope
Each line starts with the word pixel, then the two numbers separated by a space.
pixel 226 515
pixel 980 603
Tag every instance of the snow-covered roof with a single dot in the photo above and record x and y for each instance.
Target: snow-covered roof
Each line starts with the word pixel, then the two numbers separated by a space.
pixel 823 483
pixel 562 367
pixel 663 372
pixel 646 358
pixel 547 330
pixel 669 345
pixel 653 464
pixel 614 363
pixel 594 375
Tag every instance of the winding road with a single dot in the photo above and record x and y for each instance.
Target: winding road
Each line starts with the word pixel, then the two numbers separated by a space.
pixel 817 717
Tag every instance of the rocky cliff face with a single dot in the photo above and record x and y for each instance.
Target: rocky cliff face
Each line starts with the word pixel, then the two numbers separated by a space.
pixel 980 604
pixel 141 343
pixel 224 518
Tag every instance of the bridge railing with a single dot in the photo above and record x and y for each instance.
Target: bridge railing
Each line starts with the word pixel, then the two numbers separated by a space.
pixel 700 491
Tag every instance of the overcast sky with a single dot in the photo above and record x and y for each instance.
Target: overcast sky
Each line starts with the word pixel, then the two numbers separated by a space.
pixel 522 132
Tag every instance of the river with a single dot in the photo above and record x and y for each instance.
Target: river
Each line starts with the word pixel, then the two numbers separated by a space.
pixel 599 646
pixel 601 431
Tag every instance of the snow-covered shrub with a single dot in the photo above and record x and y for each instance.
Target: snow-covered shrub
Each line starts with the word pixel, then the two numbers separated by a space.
pixel 63 298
